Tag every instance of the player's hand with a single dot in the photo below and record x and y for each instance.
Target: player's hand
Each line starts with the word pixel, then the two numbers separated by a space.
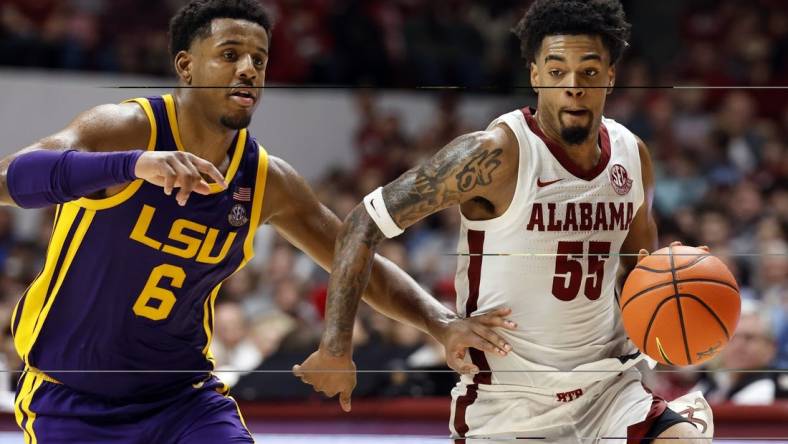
pixel 643 253
pixel 177 169
pixel 330 375
pixel 475 332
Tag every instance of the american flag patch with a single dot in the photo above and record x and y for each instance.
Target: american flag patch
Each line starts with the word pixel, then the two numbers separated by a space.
pixel 242 194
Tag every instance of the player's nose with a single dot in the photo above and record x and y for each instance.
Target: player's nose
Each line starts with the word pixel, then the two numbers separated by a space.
pixel 573 87
pixel 245 67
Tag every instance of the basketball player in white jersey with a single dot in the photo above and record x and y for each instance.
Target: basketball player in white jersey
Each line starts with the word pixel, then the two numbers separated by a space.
pixel 555 194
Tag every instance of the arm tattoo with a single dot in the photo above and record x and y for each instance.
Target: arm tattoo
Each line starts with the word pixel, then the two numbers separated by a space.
pixel 353 257
pixel 479 170
pixel 442 181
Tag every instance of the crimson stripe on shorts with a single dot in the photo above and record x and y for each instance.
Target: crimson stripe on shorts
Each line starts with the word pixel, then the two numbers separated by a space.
pixel 475 248
pixel 637 433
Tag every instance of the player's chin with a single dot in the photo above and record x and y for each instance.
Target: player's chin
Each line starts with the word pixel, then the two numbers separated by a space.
pixel 237 120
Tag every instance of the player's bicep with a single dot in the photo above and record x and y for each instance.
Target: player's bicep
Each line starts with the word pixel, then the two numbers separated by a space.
pixel 294 210
pixel 464 169
pixel 103 128
pixel 643 230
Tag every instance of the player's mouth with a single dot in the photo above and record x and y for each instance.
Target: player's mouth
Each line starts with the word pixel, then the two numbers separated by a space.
pixel 576 112
pixel 245 97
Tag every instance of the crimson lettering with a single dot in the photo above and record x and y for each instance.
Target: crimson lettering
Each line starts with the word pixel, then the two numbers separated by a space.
pixel 600 216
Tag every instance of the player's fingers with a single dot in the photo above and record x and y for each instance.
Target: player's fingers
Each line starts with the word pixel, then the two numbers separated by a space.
pixel 499 344
pixel 203 188
pixel 210 169
pixel 468 369
pixel 704 248
pixel 188 177
pixel 642 254
pixel 298 372
pixel 454 362
pixel 492 337
pixel 344 401
pixel 482 344
pixel 497 318
pixel 676 244
pixel 168 173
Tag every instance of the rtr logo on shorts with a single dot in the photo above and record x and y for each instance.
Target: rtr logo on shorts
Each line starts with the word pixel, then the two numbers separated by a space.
pixel 620 180
pixel 237 216
pixel 569 396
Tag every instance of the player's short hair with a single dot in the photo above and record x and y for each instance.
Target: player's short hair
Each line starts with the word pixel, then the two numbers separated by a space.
pixel 194 19
pixel 604 18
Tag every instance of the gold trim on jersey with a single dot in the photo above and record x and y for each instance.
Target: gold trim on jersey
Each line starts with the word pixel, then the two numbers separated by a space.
pixel 42 293
pixel 172 116
pixel 117 199
pixel 240 415
pixel 29 384
pixel 254 222
pixel 208 313
pixel 257 204
pixel 21 300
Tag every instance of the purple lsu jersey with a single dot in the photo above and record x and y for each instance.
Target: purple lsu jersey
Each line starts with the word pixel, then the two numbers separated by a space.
pixel 123 308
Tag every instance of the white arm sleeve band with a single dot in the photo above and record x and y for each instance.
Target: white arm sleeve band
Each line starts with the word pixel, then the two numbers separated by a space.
pixel 376 208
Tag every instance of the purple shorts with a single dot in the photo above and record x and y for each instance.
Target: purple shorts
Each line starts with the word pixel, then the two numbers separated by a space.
pixel 51 413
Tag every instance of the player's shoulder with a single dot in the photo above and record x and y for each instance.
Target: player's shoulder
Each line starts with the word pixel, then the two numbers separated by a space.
pixel 282 180
pixel 112 126
pixel 618 131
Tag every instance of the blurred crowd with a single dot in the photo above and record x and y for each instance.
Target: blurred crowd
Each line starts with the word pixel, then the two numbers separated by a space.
pixel 401 43
pixel 720 157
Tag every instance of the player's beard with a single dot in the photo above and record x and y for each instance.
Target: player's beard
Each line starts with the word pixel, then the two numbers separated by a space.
pixel 575 135
pixel 236 122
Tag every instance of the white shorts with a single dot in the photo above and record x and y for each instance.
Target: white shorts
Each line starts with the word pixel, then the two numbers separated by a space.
pixel 604 409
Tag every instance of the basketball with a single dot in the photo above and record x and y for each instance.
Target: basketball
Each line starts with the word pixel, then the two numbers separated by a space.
pixel 680 305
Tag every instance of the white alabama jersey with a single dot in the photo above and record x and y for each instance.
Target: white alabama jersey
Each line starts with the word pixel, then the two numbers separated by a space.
pixel 552 257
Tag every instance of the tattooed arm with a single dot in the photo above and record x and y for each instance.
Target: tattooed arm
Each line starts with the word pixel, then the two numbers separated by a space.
pixel 472 167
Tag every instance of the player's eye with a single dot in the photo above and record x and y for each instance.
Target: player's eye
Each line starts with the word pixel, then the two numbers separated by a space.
pixel 229 55
pixel 591 72
pixel 258 62
pixel 554 72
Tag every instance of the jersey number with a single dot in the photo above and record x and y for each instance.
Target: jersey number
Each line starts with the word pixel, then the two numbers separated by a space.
pixel 569 270
pixel 155 302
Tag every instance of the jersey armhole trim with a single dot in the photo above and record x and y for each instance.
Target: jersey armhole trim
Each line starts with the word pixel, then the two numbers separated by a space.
pixel 132 187
pixel 257 204
pixel 499 222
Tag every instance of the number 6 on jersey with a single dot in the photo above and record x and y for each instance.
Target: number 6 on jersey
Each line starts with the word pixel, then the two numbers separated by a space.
pixel 152 291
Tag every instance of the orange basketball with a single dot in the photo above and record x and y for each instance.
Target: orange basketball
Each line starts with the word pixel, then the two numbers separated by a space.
pixel 680 305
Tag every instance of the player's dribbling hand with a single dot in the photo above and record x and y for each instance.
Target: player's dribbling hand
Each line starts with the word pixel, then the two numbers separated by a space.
pixel 330 375
pixel 177 169
pixel 475 332
pixel 643 253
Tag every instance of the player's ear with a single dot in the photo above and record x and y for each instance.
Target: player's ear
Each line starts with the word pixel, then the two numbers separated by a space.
pixel 183 66
pixel 611 74
pixel 535 77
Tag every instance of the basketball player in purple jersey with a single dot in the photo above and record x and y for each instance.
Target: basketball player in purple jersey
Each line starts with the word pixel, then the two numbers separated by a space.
pixel 553 195
pixel 125 301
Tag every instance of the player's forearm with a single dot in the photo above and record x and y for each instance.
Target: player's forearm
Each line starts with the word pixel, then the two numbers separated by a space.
pixel 39 178
pixel 353 257
pixel 394 293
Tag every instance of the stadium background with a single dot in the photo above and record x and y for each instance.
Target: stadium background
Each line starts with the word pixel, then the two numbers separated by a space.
pixel 348 112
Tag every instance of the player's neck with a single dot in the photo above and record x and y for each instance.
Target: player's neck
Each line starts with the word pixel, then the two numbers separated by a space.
pixel 585 155
pixel 207 140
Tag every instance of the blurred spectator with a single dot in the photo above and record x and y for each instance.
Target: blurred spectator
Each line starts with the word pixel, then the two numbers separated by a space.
pixel 232 347
pixel 752 347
